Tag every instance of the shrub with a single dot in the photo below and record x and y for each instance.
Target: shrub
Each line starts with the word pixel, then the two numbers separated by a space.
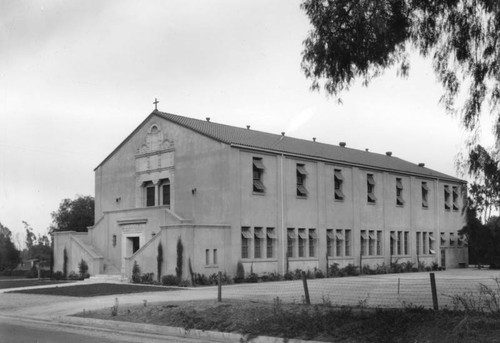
pixel 180 251
pixel 334 270
pixel 159 260
pixel 288 276
pixel 65 263
pixel 170 280
pixel 32 273
pixel 136 273
pixel 73 276
pixel 147 278
pixel 382 269
pixel 58 275
pixel 366 270
pixel 240 273
pixel 200 279
pixel 252 278
pixel 83 268
pixel 318 273
pixel 349 270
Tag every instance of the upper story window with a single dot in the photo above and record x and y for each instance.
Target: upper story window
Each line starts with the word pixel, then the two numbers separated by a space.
pixel 399 192
pixel 425 195
pixel 165 192
pixel 338 180
pixel 301 180
pixel 455 198
pixel 150 193
pixel 370 183
pixel 446 197
pixel 258 172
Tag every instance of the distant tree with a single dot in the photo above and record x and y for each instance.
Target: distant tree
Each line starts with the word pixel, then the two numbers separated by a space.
pixel 361 39
pixel 37 247
pixel 74 215
pixel 10 256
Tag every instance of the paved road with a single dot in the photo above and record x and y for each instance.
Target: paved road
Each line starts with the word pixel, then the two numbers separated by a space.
pixel 14 330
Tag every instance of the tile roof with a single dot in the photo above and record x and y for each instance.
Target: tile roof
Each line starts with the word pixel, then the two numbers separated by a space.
pixel 308 149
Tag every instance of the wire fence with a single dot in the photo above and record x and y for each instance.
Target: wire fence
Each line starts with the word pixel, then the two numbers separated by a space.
pixel 394 291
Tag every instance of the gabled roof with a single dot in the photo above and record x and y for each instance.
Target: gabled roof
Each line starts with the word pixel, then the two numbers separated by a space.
pixel 253 139
pixel 258 140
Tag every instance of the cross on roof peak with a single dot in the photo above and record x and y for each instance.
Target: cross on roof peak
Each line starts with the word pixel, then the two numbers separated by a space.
pixel 156 103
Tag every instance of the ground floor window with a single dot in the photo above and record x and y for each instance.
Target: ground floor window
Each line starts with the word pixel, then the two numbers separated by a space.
pixel 399 244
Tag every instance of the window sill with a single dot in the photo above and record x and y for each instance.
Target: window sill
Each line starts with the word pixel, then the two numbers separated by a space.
pixel 259 260
pixel 303 259
pixel 400 206
pixel 336 258
pixel 209 266
pixel 339 200
pixel 303 197
pixel 371 203
pixel 259 193
pixel 425 208
pixel 372 256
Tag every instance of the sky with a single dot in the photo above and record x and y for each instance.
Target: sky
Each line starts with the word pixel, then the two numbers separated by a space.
pixel 76 77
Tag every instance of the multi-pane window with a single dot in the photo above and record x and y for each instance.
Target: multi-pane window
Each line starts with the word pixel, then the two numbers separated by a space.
pixel 370 185
pixel 364 241
pixel 291 242
pixel 338 180
pixel 207 257
pixel 258 172
pixel 340 240
pixel 399 192
pixel 455 198
pixel 302 242
pixel 215 256
pixel 330 239
pixel 393 242
pixel 399 242
pixel 446 197
pixel 114 240
pixel 246 237
pixel 443 239
pixel 379 243
pixel 425 195
pixel 259 237
pixel 165 192
pixel 150 194
pixel 432 249
pixel 271 242
pixel 452 239
pixel 425 243
pixel 301 180
pixel 348 241
pixel 400 239
pixel 371 243
pixel 313 238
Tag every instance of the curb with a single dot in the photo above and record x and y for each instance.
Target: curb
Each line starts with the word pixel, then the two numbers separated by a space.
pixel 173 331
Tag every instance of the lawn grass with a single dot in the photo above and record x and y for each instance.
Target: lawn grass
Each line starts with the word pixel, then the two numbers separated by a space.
pixel 95 289
pixel 319 322
pixel 14 283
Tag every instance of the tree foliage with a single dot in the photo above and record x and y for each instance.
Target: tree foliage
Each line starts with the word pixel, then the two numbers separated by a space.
pixel 9 255
pixel 484 192
pixel 74 215
pixel 37 247
pixel 360 39
pixel 180 259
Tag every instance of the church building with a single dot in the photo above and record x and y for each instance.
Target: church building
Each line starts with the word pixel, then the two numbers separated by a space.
pixel 273 202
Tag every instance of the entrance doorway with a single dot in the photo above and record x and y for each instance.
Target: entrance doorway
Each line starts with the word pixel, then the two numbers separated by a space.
pixel 132 245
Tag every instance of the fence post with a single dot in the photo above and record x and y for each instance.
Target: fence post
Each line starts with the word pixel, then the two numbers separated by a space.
pixel 219 288
pixel 434 292
pixel 306 290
